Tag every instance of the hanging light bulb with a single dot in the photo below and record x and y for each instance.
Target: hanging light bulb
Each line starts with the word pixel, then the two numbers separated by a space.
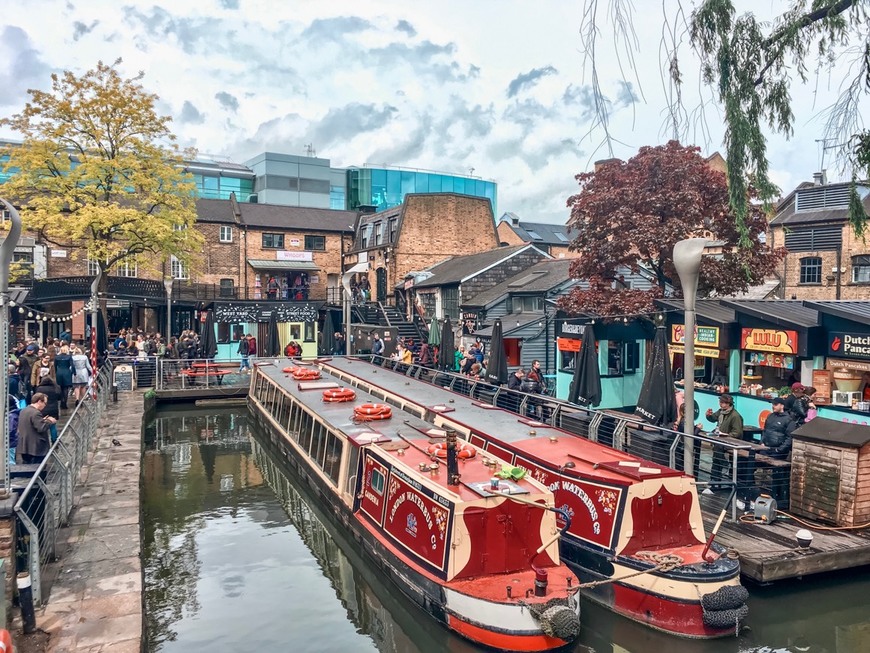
pixel 12 302
pixel 20 309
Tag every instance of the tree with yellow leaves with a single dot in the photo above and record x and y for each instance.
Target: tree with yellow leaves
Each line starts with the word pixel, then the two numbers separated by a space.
pixel 98 170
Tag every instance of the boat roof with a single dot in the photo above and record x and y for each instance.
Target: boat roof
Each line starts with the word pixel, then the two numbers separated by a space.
pixel 403 439
pixel 552 445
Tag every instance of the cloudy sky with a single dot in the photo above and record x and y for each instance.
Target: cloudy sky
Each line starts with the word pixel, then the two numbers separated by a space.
pixel 497 86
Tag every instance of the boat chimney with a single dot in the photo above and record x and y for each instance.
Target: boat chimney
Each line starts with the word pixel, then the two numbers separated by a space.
pixel 452 458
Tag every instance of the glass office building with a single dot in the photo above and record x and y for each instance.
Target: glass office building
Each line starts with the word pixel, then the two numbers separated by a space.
pixel 383 188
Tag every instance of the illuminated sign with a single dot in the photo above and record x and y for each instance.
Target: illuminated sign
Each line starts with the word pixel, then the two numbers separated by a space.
pixel 850 345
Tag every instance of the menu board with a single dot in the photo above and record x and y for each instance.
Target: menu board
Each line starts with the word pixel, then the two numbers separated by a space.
pixel 822 384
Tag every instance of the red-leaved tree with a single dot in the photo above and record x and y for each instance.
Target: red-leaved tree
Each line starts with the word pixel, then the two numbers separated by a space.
pixel 631 213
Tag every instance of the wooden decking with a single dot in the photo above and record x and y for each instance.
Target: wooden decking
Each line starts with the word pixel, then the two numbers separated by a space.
pixel 770 553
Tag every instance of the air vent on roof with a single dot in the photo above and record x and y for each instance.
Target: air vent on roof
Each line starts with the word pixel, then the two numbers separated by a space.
pixel 813 239
pixel 534 235
pixel 821 198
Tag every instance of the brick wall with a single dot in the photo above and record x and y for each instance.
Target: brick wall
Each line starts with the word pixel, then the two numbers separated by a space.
pixel 789 270
pixel 507 235
pixel 7 541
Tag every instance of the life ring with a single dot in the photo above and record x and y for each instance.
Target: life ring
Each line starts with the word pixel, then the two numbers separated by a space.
pixel 5 641
pixel 306 374
pixel 339 394
pixel 290 370
pixel 371 412
pixel 464 451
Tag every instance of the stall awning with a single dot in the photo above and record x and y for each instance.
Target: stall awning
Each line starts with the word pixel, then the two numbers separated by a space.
pixel 293 266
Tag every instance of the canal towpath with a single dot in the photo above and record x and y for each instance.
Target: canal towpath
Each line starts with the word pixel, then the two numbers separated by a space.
pixel 94 603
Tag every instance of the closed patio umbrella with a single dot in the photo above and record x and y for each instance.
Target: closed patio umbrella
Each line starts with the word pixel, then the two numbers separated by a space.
pixel 272 346
pixel 434 333
pixel 447 348
pixel 208 340
pixel 585 389
pixel 496 368
pixel 657 403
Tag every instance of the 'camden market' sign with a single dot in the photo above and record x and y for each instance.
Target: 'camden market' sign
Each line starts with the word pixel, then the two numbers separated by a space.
pixel 848 345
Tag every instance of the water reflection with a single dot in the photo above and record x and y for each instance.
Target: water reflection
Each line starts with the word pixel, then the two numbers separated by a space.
pixel 237 556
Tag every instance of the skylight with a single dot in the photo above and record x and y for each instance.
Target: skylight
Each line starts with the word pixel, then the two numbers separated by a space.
pixel 534 234
pixel 562 237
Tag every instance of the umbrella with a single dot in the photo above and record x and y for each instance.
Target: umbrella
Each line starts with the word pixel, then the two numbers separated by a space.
pixel 447 348
pixel 208 341
pixel 327 342
pixel 272 346
pixel 434 333
pixel 586 385
pixel 657 403
pixel 496 368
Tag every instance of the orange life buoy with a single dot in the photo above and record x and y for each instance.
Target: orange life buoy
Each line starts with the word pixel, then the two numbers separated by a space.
pixel 306 374
pixel 464 451
pixel 5 641
pixel 339 394
pixel 290 370
pixel 369 412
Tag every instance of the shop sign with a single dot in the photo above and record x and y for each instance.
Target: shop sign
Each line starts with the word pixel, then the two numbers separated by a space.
pixel 851 345
pixel 294 242
pixel 858 366
pixel 469 316
pixel 284 255
pixel 706 352
pixel 568 344
pixel 705 336
pixel 58 253
pixel 569 329
pixel 775 340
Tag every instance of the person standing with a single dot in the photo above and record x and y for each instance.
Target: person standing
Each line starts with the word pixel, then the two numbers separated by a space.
pixel 33 431
pixel 729 423
pixel 25 369
pixel 81 374
pixel 778 427
pixel 49 387
pixel 339 349
pixel 14 413
pixel 795 405
pixel 244 351
pixel 272 288
pixel 63 374
pixel 377 345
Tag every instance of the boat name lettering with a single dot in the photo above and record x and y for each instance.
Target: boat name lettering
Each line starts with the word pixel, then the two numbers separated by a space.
pixel 418 486
pixel 370 496
pixel 417 501
pixel 575 489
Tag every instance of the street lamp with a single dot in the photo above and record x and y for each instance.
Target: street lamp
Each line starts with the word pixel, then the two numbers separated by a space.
pixel 7 249
pixel 687 260
pixel 95 311
pixel 167 283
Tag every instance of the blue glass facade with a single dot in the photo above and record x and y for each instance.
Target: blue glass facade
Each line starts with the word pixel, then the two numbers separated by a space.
pixel 219 188
pixel 385 188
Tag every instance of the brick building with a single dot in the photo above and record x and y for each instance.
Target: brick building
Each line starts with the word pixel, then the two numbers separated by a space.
pixel 825 259
pixel 423 231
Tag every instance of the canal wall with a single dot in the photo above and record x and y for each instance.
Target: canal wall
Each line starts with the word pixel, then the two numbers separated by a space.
pixel 95 598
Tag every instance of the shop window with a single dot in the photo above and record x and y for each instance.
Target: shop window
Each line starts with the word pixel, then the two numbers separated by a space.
pixel 811 270
pixel 622 357
pixel 227 288
pixel 316 243
pixel 861 269
pixel 309 332
pixel 226 235
pixel 273 241
pixel 229 332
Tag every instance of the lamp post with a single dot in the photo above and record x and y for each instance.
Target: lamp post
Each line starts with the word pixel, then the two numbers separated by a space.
pixel 167 283
pixel 95 315
pixel 687 260
pixel 6 252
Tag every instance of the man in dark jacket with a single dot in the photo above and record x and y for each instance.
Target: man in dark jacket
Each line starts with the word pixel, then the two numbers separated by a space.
pixel 796 405
pixel 515 381
pixel 25 369
pixel 777 432
pixel 244 352
pixel 33 431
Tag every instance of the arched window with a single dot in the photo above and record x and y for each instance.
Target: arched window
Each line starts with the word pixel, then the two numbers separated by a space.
pixel 811 270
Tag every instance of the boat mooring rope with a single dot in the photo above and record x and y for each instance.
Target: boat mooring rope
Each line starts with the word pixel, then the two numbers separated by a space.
pixel 664 562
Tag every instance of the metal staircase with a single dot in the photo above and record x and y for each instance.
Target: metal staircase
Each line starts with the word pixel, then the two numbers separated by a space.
pixel 407 330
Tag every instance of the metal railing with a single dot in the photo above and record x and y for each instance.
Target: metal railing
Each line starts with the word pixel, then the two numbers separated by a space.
pixel 46 502
pixel 718 464
pixel 199 373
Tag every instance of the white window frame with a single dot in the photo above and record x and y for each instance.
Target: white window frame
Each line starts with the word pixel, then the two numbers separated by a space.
pixel 93 267
pixel 123 267
pixel 226 234
pixel 178 269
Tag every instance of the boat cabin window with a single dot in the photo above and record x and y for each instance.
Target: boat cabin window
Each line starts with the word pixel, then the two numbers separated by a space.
pixel 306 423
pixel 377 482
pixel 332 462
pixel 293 425
pixel 318 444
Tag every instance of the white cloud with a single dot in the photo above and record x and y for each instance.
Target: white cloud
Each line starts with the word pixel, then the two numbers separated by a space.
pixel 495 86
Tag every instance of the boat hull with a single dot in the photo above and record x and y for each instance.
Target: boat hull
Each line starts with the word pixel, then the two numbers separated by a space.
pixel 470 617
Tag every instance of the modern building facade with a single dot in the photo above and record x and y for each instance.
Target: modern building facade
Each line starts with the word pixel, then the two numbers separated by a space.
pixel 384 188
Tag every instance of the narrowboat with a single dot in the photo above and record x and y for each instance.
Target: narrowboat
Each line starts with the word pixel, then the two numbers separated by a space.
pixel 471 540
pixel 629 516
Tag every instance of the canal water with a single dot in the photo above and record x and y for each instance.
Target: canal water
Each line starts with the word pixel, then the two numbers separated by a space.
pixel 237 557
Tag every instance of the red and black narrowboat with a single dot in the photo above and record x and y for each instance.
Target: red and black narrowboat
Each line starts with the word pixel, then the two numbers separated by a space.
pixel 477 552
pixel 636 538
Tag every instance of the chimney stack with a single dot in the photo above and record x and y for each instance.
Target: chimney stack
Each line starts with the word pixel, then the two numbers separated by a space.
pixel 603 162
pixel 820 178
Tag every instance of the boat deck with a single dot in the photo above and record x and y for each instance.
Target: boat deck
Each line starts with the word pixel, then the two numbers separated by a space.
pixel 405 439
pixel 767 553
